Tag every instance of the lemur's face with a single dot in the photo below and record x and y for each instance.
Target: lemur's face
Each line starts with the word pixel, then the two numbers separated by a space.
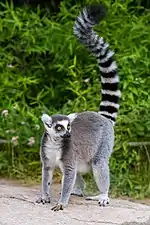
pixel 57 125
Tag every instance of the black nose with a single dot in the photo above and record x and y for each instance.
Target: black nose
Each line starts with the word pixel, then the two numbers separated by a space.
pixel 66 135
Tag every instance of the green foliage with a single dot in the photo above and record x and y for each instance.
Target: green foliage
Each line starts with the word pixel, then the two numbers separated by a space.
pixel 43 68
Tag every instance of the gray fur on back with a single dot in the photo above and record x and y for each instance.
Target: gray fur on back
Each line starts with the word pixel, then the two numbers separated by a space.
pixel 90 131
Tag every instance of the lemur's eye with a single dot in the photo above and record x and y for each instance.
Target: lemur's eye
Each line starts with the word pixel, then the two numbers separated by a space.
pixel 68 127
pixel 59 127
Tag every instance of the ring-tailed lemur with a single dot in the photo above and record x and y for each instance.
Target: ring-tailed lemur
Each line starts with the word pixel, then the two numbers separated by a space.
pixel 82 141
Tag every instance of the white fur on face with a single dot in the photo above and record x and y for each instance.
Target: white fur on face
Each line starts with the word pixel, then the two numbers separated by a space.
pixel 50 126
pixel 64 123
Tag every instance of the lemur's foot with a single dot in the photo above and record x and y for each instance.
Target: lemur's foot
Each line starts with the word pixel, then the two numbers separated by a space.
pixel 77 192
pixel 58 207
pixel 103 200
pixel 43 200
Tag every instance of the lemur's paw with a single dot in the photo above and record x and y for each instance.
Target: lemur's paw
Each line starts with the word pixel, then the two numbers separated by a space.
pixel 103 200
pixel 77 192
pixel 43 200
pixel 58 207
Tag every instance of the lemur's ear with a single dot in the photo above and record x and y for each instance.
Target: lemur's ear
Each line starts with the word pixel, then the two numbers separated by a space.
pixel 47 120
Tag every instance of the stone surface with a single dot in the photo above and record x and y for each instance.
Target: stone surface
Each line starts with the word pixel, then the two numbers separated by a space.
pixel 18 207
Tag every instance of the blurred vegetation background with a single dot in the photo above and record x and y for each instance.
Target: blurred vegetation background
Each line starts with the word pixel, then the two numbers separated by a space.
pixel 43 68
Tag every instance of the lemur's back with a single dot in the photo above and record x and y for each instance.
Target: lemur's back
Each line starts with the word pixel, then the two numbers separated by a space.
pixel 90 131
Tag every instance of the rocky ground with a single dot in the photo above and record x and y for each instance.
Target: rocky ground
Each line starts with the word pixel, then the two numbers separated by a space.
pixel 18 207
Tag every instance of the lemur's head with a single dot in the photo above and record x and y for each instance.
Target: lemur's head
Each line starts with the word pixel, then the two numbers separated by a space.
pixel 57 125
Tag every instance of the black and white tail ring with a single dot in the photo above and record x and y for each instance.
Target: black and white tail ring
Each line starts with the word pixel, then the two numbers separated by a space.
pixel 90 16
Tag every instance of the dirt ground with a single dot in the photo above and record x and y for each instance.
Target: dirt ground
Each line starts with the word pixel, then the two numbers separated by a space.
pixel 18 207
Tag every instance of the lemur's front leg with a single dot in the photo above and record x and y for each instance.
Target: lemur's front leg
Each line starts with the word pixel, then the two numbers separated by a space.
pixel 68 181
pixel 47 175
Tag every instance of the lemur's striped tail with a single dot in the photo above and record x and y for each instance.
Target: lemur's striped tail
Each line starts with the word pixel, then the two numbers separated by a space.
pixel 90 16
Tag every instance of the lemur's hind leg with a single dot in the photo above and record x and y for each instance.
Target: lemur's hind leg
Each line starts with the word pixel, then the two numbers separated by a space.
pixel 100 169
pixel 79 186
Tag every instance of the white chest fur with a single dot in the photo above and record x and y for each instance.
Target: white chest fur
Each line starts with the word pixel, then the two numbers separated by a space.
pixel 53 153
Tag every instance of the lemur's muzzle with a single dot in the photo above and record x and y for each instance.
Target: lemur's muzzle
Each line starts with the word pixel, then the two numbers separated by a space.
pixel 66 135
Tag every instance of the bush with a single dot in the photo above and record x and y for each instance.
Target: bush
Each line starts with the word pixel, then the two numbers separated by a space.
pixel 45 69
